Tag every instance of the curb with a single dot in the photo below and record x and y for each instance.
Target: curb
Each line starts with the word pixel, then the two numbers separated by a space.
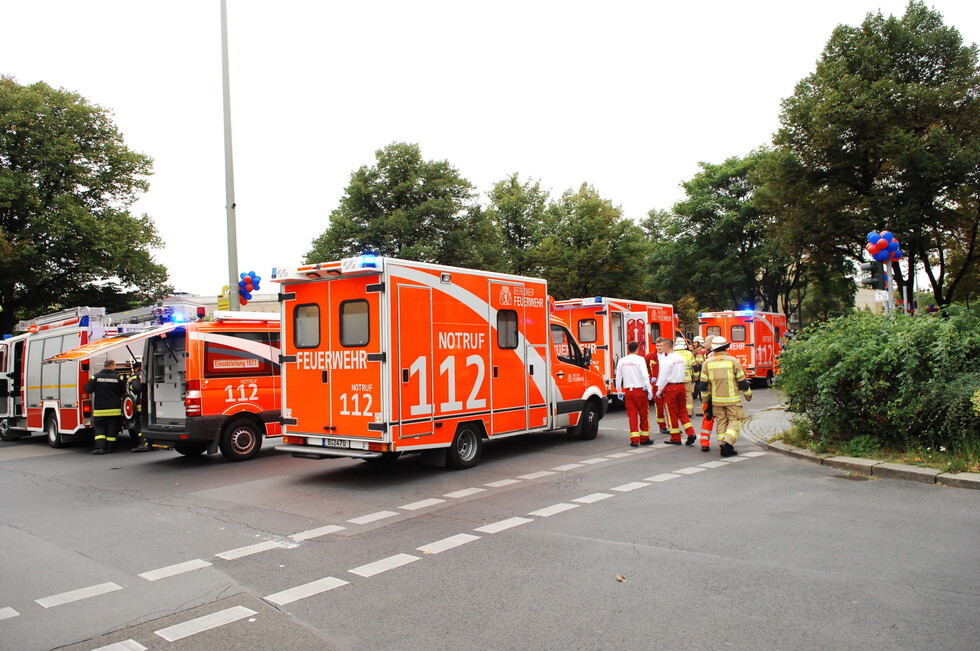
pixel 881 469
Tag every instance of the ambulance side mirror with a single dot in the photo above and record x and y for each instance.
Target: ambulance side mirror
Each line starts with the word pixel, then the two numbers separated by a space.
pixel 587 358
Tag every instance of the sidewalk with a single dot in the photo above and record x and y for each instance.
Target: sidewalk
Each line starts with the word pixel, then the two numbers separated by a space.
pixel 765 425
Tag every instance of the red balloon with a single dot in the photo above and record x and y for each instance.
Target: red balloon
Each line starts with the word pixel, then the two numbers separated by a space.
pixel 249 287
pixel 880 246
pixel 871 248
pixel 248 279
pixel 241 299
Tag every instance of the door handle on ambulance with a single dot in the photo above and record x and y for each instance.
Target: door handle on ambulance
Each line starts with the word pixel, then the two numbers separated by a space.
pixel 404 376
pixel 560 374
pixel 325 377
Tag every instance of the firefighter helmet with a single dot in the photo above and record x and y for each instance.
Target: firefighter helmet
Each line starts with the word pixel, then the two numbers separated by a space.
pixel 719 343
pixel 680 344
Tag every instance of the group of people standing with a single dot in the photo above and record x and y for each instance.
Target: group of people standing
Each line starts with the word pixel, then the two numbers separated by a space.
pixel 671 378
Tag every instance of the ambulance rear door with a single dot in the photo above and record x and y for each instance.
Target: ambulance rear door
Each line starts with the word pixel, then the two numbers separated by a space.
pixel 332 370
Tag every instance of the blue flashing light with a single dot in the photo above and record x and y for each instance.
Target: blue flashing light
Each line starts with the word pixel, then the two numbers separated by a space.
pixel 368 261
pixel 84 321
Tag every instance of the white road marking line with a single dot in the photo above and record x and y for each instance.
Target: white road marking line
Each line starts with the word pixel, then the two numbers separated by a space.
pixel 537 475
pixel 734 459
pixel 258 548
pixel 595 460
pixel 713 464
pixel 125 645
pixel 421 504
pixel 173 570
pixel 593 498
pixel 567 466
pixel 447 543
pixel 206 623
pixel 497 527
pixel 385 564
pixel 553 509
pixel 466 492
pixel 7 613
pixel 667 476
pixel 757 453
pixel 632 486
pixel 503 482
pixel 305 590
pixel 373 517
pixel 77 595
pixel 642 450
pixel 618 455
pixel 690 470
pixel 316 533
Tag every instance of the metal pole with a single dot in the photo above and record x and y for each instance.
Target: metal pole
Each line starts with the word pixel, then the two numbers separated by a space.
pixel 233 277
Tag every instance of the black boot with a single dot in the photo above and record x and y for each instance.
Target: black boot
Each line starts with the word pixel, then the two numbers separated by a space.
pixel 727 450
pixel 99 447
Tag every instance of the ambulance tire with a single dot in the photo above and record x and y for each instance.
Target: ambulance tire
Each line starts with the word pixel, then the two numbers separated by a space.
pixel 7 433
pixel 240 440
pixel 467 447
pixel 588 424
pixel 190 449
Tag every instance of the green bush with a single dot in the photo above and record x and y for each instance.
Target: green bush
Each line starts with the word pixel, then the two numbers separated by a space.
pixel 902 380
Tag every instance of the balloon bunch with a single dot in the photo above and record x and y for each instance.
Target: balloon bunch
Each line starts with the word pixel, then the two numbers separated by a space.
pixel 883 246
pixel 249 283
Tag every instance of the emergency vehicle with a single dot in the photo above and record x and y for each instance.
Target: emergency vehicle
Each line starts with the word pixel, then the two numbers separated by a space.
pixel 606 325
pixel 383 356
pixel 207 385
pixel 756 339
pixel 36 397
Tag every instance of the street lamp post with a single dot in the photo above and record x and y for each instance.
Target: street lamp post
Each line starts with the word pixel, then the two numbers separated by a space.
pixel 233 304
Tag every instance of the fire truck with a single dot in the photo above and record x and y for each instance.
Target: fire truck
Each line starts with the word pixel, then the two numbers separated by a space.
pixel 606 325
pixel 36 397
pixel 756 339
pixel 383 356
pixel 207 385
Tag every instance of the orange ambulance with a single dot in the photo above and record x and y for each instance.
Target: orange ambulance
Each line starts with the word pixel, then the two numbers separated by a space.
pixel 383 356
pixel 756 339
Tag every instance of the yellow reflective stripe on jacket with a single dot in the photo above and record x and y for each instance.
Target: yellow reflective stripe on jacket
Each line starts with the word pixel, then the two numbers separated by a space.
pixel 688 361
pixel 107 412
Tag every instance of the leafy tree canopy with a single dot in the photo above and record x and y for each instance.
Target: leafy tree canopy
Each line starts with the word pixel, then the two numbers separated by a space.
pixel 67 181
pixel 404 207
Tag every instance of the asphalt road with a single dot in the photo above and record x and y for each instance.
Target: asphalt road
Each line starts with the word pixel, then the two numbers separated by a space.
pixel 551 543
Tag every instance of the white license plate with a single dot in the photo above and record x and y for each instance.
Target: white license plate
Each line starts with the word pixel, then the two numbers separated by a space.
pixel 336 443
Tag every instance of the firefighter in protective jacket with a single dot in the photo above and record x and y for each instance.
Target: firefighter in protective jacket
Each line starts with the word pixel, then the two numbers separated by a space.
pixel 723 382
pixel 109 389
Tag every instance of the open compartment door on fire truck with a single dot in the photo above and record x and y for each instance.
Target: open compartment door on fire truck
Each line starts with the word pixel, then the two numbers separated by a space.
pixel 333 360
pixel 122 348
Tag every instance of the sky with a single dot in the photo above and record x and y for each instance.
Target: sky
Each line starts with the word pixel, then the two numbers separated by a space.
pixel 627 96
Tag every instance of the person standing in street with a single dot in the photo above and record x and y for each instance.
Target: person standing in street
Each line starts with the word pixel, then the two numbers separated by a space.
pixel 723 382
pixel 109 389
pixel 653 368
pixel 700 353
pixel 671 385
pixel 633 380
pixel 680 346
pixel 135 385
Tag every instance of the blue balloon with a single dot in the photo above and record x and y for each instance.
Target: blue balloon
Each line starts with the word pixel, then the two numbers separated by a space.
pixel 241 275
pixel 882 255
pixel 887 235
pixel 873 237
pixel 893 245
pixel 255 287
pixel 248 296
pixel 897 255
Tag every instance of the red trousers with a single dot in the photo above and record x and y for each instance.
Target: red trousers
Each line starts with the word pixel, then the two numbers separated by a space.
pixel 675 398
pixel 638 412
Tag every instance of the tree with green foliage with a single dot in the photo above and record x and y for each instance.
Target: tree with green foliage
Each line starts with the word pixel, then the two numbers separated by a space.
pixel 519 210
pixel 590 249
pixel 67 181
pixel 409 208
pixel 884 134
pixel 715 245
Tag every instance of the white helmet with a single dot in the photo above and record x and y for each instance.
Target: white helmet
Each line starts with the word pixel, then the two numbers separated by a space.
pixel 680 344
pixel 699 339
pixel 719 343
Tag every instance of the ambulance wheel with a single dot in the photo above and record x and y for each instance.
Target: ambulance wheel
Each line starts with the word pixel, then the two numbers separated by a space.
pixel 51 431
pixel 240 441
pixel 588 427
pixel 190 449
pixel 6 434
pixel 466 449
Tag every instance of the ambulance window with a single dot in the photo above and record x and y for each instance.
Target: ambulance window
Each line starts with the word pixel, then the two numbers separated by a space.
pixel 655 331
pixel 586 331
pixel 738 333
pixel 355 323
pixel 566 350
pixel 240 354
pixel 779 336
pixel 506 329
pixel 713 330
pixel 306 331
